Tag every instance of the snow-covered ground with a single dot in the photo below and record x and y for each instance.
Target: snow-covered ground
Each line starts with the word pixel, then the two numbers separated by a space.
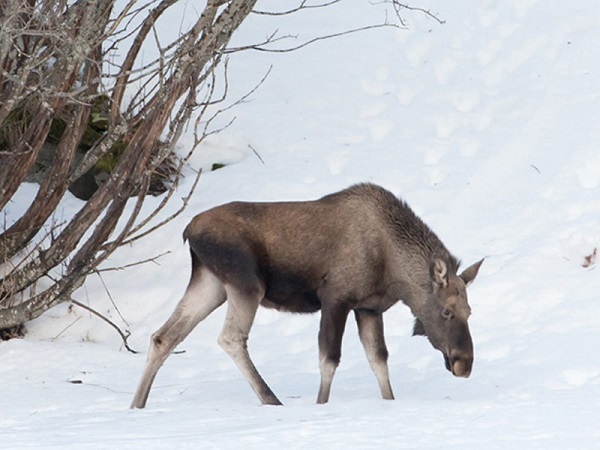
pixel 488 126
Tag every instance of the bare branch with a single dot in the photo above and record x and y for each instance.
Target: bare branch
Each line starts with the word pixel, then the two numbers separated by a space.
pixel 300 7
pixel 261 47
pixel 398 7
pixel 256 153
pixel 124 335
pixel 137 263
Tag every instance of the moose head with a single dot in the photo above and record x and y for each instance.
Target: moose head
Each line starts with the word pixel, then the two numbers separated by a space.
pixel 443 319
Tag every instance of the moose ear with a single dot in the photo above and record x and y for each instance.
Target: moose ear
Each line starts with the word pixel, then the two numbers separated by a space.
pixel 470 272
pixel 439 272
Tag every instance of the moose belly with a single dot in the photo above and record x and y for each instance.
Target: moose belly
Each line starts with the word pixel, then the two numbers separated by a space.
pixel 290 293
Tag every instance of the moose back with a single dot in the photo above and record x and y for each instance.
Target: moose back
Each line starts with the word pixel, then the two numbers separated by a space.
pixel 360 250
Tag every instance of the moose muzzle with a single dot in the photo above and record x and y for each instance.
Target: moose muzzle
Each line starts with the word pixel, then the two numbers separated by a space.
pixel 459 363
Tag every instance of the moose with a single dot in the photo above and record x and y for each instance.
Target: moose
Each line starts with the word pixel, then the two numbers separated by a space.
pixel 361 249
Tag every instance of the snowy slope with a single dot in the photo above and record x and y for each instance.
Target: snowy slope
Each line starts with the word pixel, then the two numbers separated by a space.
pixel 488 126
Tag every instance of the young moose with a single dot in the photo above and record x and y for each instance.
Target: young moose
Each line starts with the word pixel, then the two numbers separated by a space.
pixel 357 250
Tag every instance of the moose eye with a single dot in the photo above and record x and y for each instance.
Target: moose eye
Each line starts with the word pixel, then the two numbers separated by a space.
pixel 446 313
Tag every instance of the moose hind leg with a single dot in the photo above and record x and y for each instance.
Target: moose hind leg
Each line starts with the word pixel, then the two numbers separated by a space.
pixel 203 295
pixel 370 330
pixel 241 310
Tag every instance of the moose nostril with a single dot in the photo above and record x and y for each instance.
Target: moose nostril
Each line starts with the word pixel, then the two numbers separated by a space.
pixel 447 363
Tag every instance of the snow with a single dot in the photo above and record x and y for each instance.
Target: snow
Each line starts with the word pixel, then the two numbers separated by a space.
pixel 488 127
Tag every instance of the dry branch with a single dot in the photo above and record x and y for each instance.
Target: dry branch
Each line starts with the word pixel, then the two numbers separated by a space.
pixel 140 125
pixel 59 78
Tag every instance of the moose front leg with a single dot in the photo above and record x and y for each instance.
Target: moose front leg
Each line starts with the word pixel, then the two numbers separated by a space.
pixel 333 322
pixel 370 330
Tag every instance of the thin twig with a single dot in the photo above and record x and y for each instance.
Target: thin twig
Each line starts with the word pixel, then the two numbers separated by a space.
pixel 111 299
pixel 124 336
pixel 137 263
pixel 65 329
pixel 256 153
pixel 399 6
pixel 261 48
pixel 185 199
pixel 300 7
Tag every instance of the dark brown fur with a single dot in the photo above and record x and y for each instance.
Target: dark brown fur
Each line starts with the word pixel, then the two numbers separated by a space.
pixel 360 250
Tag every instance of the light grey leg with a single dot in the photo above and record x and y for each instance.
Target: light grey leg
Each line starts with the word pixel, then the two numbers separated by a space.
pixel 241 310
pixel 204 294
pixel 370 330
